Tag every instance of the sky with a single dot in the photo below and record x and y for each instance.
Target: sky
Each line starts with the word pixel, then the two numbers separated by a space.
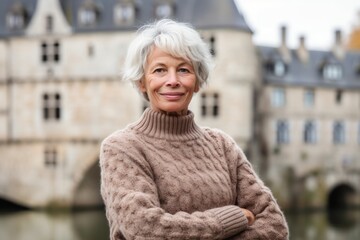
pixel 316 20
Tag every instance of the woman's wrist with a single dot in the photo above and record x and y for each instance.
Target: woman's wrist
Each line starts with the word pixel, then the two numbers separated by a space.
pixel 249 216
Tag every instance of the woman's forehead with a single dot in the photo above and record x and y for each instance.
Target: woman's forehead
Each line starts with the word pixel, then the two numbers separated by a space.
pixel 159 52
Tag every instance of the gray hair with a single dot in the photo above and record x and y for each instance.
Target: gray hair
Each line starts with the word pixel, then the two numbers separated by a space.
pixel 177 39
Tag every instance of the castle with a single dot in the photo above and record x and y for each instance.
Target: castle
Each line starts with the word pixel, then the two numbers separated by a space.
pixel 296 112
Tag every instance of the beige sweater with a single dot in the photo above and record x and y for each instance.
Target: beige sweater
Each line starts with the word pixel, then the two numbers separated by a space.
pixel 164 177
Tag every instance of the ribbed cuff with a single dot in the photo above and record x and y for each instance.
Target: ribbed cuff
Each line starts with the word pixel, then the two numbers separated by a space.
pixel 231 218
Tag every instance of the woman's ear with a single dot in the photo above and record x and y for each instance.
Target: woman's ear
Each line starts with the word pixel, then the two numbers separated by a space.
pixel 197 87
pixel 141 86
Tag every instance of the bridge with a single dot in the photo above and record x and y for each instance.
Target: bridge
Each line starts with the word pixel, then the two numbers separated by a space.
pixel 319 188
pixel 73 181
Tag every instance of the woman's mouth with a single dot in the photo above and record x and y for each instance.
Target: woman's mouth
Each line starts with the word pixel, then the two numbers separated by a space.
pixel 172 96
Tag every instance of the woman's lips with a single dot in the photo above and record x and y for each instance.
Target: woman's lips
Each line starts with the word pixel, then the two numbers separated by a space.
pixel 172 95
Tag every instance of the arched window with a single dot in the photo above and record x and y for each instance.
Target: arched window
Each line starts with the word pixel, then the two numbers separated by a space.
pixel 282 132
pixel 310 132
pixel 339 133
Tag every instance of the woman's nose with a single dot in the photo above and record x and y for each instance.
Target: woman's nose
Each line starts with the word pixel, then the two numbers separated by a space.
pixel 172 80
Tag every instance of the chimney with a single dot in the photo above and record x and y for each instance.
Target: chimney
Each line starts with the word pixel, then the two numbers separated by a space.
pixel 283 49
pixel 339 47
pixel 302 52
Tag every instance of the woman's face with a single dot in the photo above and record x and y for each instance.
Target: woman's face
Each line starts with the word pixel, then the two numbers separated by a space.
pixel 169 82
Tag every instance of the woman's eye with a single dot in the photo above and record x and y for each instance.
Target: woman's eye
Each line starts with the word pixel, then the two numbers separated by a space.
pixel 159 70
pixel 184 70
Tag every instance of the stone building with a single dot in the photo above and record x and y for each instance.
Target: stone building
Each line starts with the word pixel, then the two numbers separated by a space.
pixel 296 112
pixel 61 91
pixel 308 123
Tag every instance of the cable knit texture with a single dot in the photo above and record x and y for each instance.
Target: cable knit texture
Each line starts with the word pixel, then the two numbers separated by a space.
pixel 164 177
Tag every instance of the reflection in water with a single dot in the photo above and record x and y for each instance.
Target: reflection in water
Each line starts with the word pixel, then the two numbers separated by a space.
pixel 92 225
pixel 37 225
pixel 322 225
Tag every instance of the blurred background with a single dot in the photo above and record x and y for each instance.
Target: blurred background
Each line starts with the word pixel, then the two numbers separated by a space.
pixel 285 86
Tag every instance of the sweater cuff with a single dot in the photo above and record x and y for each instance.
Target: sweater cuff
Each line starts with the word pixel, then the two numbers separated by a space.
pixel 232 219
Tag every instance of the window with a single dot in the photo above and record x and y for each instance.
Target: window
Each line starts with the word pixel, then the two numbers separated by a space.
pixel 50 52
pixel 56 53
pixel 15 21
pixel 276 67
pixel 88 15
pixel 91 50
pixel 124 14
pixel 49 23
pixel 210 104
pixel 17 17
pixel 279 68
pixel 278 97
pixel 50 156
pixel 339 133
pixel 332 72
pixel 309 98
pixel 310 132
pixel 338 96
pixel 212 46
pixel 51 106
pixel 164 10
pixel 282 132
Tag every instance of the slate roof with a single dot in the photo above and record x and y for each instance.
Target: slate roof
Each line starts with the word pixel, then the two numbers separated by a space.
pixel 204 14
pixel 200 13
pixel 309 74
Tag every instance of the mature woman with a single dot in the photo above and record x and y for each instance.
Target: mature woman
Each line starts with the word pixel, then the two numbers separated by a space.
pixel 164 177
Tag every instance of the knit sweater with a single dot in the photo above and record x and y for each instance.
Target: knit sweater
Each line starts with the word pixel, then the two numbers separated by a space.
pixel 164 177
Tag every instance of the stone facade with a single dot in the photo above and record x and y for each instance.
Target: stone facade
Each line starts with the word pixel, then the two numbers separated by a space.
pixel 61 94
pixel 309 121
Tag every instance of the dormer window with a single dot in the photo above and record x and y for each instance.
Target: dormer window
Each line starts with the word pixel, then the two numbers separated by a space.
pixel 124 13
pixel 279 68
pixel 88 14
pixel 16 17
pixel 332 72
pixel 164 10
pixel 276 67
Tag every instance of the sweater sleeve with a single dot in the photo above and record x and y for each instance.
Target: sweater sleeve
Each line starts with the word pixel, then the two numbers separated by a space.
pixel 253 195
pixel 133 209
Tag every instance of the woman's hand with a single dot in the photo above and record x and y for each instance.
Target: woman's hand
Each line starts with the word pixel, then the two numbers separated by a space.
pixel 249 215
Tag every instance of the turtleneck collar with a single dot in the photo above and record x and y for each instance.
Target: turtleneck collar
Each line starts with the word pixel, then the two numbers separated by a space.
pixel 159 125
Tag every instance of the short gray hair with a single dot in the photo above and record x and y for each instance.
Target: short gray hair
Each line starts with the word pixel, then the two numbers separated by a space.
pixel 177 39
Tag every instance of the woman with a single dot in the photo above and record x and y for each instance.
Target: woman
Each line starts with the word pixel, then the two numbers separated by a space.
pixel 164 177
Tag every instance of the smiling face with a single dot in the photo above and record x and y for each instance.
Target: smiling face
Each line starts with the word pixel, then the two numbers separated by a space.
pixel 169 82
